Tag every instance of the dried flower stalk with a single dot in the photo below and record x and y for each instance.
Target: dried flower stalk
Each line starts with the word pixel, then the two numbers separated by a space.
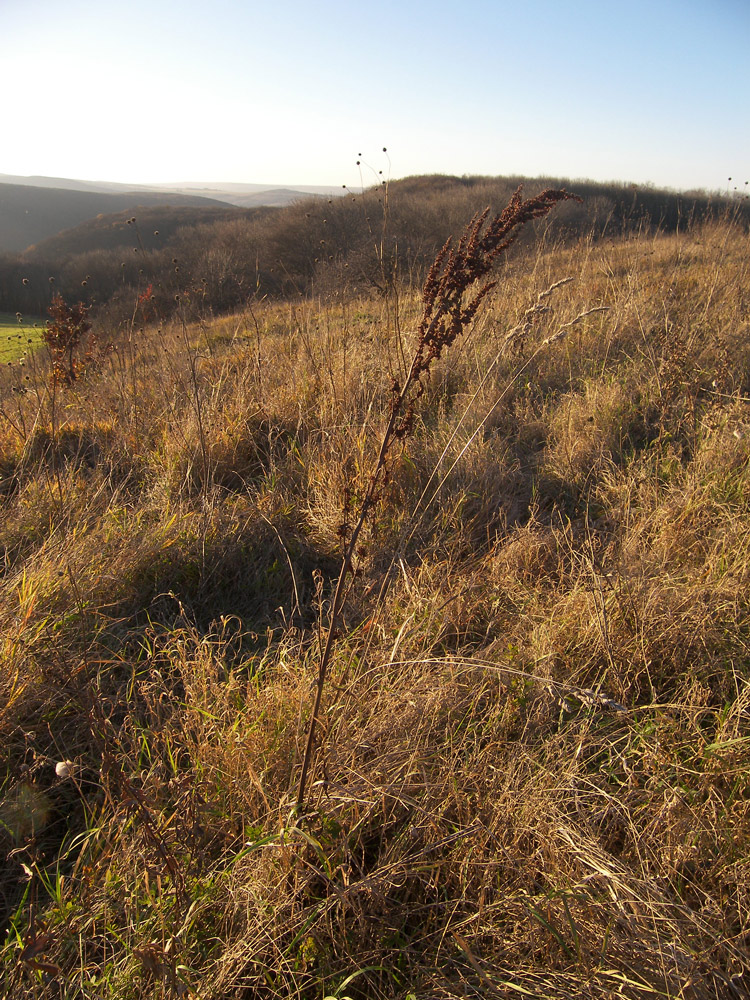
pixel 456 285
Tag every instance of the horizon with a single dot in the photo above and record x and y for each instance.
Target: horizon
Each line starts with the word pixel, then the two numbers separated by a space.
pixel 201 185
pixel 311 97
pixel 258 187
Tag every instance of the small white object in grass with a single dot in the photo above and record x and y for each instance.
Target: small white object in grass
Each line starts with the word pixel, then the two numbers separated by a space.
pixel 65 769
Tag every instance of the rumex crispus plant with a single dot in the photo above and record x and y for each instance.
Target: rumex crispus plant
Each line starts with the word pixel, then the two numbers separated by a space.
pixel 457 283
pixel 63 336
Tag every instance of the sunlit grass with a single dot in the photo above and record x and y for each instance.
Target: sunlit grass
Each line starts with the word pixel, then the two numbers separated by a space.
pixel 18 336
pixel 534 751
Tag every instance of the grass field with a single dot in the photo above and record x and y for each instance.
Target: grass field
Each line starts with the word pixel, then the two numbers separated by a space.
pixel 532 769
pixel 17 338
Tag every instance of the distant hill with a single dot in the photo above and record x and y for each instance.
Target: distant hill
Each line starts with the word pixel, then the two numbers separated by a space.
pixel 71 184
pixel 273 196
pixel 221 191
pixel 250 195
pixel 154 226
pixel 29 214
pixel 34 208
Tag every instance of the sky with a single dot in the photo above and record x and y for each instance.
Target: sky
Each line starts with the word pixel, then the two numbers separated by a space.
pixel 289 92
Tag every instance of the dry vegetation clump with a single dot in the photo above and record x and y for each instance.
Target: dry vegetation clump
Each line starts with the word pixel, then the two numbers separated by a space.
pixel 533 746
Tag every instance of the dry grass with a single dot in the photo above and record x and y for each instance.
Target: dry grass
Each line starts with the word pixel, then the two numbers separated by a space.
pixel 533 770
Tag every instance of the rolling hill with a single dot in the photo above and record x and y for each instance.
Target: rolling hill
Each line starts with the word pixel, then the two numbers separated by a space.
pixel 32 209
pixel 31 214
pixel 156 225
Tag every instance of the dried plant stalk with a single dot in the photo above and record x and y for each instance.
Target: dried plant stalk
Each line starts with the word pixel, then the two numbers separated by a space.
pixel 456 285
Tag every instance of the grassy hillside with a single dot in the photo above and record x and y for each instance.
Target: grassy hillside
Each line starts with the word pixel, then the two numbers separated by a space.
pixel 532 775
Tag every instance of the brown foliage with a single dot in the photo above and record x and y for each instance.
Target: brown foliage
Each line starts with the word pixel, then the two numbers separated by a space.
pixel 63 336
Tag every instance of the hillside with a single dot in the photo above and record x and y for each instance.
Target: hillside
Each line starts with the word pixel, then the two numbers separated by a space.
pixel 35 209
pixel 155 227
pixel 531 773
pixel 31 214
pixel 361 240
pixel 73 184
pixel 273 196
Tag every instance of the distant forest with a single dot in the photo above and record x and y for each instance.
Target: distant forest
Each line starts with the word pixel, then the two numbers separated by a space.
pixel 215 260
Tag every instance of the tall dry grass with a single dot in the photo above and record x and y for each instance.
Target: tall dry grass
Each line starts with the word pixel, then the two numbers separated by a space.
pixel 533 738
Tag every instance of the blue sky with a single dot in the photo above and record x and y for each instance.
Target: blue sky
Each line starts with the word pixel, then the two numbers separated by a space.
pixel 285 92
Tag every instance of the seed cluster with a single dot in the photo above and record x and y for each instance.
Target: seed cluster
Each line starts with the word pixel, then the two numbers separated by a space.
pixel 453 273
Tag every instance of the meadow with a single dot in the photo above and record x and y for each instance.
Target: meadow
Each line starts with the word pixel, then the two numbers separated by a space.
pixel 18 336
pixel 530 775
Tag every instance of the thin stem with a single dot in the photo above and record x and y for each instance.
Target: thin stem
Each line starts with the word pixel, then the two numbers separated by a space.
pixel 445 315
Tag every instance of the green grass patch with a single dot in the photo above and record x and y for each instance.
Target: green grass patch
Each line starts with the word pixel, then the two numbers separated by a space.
pixel 18 337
